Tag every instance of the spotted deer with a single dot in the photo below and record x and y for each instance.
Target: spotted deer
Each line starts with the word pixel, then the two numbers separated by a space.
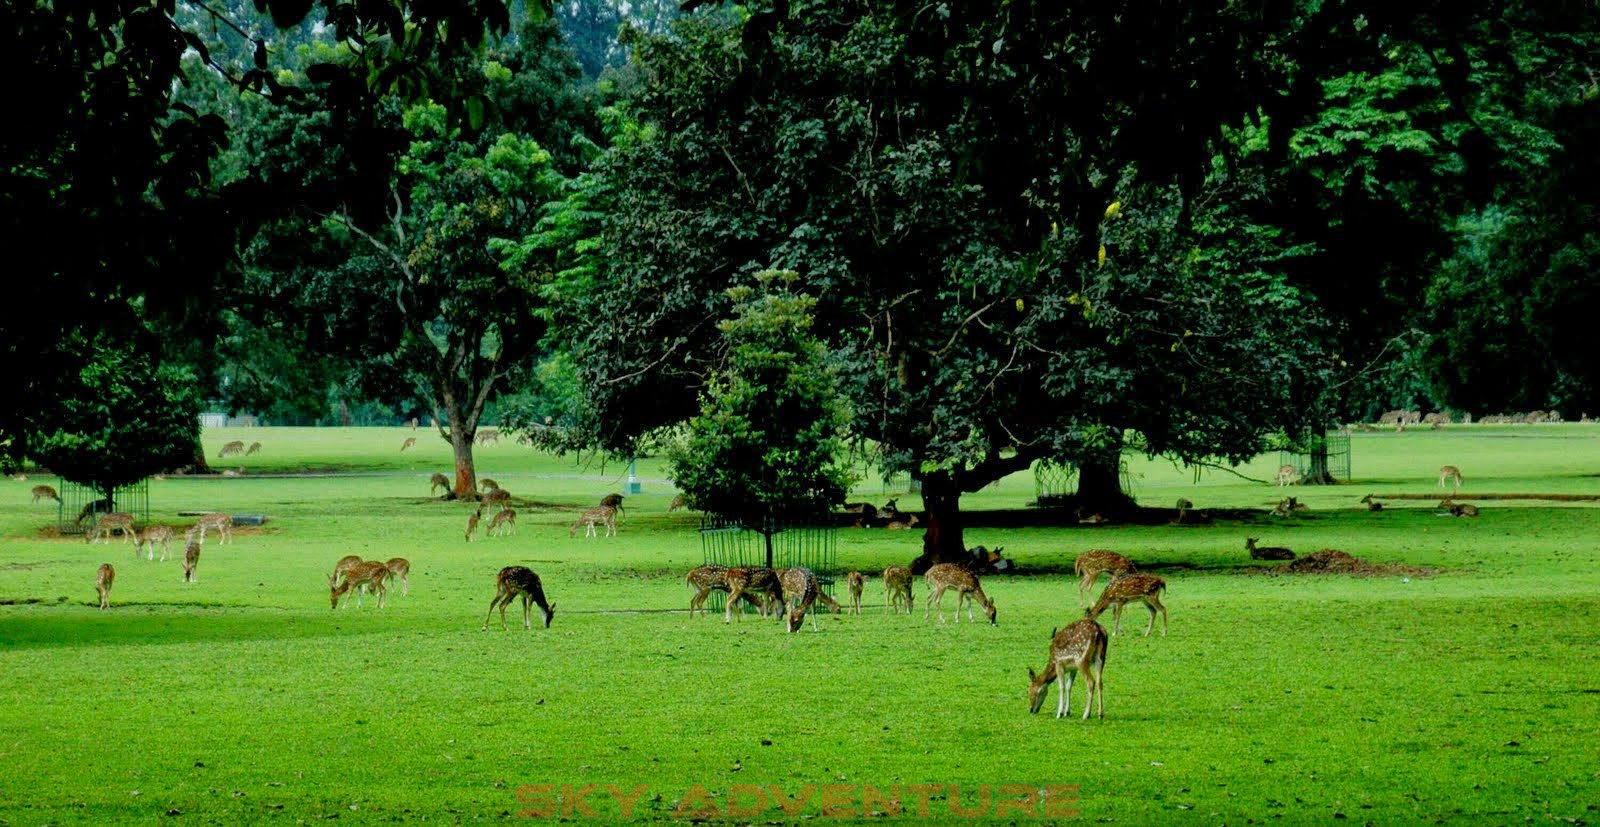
pixel 400 567
pixel 1095 562
pixel 191 560
pixel 103 578
pixel 800 591
pixel 614 501
pixel 1079 649
pixel 1451 474
pixel 438 481
pixel 231 449
pixel 346 563
pixel 472 522
pixel 223 524
pixel 705 580
pixel 1266 552
pixel 901 520
pixel 968 589
pixel 255 448
pixel 498 497
pixel 361 577
pixel 511 582
pixel 1128 588
pixel 43 492
pixel 488 437
pixel 1456 509
pixel 856 581
pixel 1287 475
pixel 486 484
pixel 107 523
pixel 410 441
pixel 756 584
pixel 163 534
pixel 897 589
pixel 603 515
pixel 502 522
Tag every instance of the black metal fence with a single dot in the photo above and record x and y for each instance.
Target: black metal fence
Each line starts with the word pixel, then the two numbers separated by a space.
pixel 79 504
pixel 730 541
pixel 1338 457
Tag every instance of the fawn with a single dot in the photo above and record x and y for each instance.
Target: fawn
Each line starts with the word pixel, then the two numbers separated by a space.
pixel 756 584
pixel 512 581
pixel 191 559
pixel 605 515
pixel 232 448
pixel 400 567
pixel 163 534
pixel 1453 475
pixel 223 523
pixel 1287 475
pixel 705 580
pixel 472 522
pixel 115 521
pixel 502 522
pixel 410 441
pixel 897 589
pixel 1266 552
pixel 255 448
pixel 438 481
pixel 1079 649
pixel 1128 588
pixel 360 577
pixel 1095 562
pixel 45 492
pixel 856 582
pixel 800 590
pixel 103 578
pixel 949 575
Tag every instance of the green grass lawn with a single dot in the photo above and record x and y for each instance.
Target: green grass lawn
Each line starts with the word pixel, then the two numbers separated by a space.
pixel 1470 695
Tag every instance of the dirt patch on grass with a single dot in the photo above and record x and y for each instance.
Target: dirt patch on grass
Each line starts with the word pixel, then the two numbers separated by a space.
pixel 1334 561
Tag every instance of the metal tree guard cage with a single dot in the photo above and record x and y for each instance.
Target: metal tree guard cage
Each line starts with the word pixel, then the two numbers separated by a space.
pixel 901 483
pixel 728 541
pixel 133 498
pixel 1053 482
pixel 1338 457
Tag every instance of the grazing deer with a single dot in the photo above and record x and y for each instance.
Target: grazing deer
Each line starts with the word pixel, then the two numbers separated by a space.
pixel 1128 588
pixel 604 515
pixel 1095 562
pixel 486 437
pixel 756 584
pixel 499 496
pixel 1184 507
pixel 1453 475
pixel 438 481
pixel 115 521
pixel 400 567
pixel 897 589
pixel 223 523
pixel 800 590
pixel 472 522
pixel 255 448
pixel 677 504
pixel 856 581
pixel 163 534
pixel 410 441
pixel 503 521
pixel 361 577
pixel 346 563
pixel 512 581
pixel 1287 475
pixel 1079 649
pixel 103 578
pixel 486 484
pixel 232 448
pixel 41 492
pixel 1266 552
pixel 94 507
pixel 705 580
pixel 191 559
pixel 968 589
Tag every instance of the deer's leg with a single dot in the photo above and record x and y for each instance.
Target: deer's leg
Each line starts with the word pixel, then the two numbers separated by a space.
pixel 1163 608
pixel 1116 616
pixel 527 611
pixel 487 617
pixel 1064 699
pixel 1100 683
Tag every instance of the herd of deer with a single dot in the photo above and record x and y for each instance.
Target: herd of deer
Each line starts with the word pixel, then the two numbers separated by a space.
pixel 145 541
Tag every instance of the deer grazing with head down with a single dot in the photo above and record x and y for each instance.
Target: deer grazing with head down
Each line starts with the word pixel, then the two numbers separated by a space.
pixel 856 581
pixel 410 441
pixel 677 504
pixel 438 481
pixel 472 522
pixel 498 497
pixel 364 576
pixel 705 580
pixel 43 492
pixel 163 534
pixel 897 589
pixel 602 515
pixel 968 590
pixel 1095 562
pixel 103 578
pixel 255 448
pixel 1451 474
pixel 231 449
pixel 755 584
pixel 107 523
pixel 1079 649
pixel 223 524
pixel 800 591
pixel 1126 589
pixel 191 559
pixel 503 522
pixel 400 567
pixel 1266 552
pixel 511 582
pixel 346 563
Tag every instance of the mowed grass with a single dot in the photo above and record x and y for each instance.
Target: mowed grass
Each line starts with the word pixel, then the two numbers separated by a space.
pixel 1473 694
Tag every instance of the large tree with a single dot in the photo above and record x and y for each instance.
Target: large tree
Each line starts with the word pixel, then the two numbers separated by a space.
pixel 1021 240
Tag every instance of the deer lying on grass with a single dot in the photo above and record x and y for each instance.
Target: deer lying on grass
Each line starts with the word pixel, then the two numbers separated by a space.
pixel 897 589
pixel 363 576
pixel 502 522
pixel 400 567
pixel 1095 562
pixel 1287 475
pixel 45 492
pixel 255 448
pixel 1128 588
pixel 1371 504
pixel 103 578
pixel 901 521
pixel 107 523
pixel 1453 475
pixel 603 515
pixel 755 584
pixel 1266 552
pixel 410 441
pixel 223 523
pixel 472 522
pixel 968 589
pixel 232 448
pixel 1456 509
pixel 191 559
pixel 800 590
pixel 519 580
pixel 438 481
pixel 1079 649
pixel 163 534
pixel 856 581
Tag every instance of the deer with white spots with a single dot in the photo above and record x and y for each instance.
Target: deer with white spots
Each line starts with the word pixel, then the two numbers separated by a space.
pixel 438 481
pixel 103 579
pixel 1452 475
pixel 856 581
pixel 191 560
pixel 369 575
pixel 115 521
pixel 1287 475
pixel 222 523
pixel 1079 649
pixel 755 584
pixel 511 582
pixel 897 582
pixel 45 492
pixel 800 591
pixel 400 567
pixel 1145 588
pixel 163 534
pixel 968 590
pixel 604 515
pixel 1095 562
pixel 503 522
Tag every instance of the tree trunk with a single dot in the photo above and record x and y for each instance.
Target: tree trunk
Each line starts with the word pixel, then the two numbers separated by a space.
pixel 466 487
pixel 1100 485
pixel 200 466
pixel 1317 473
pixel 943 541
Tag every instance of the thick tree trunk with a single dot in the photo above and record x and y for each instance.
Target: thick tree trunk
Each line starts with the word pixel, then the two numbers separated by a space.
pixel 1100 486
pixel 1317 473
pixel 943 541
pixel 200 466
pixel 466 486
